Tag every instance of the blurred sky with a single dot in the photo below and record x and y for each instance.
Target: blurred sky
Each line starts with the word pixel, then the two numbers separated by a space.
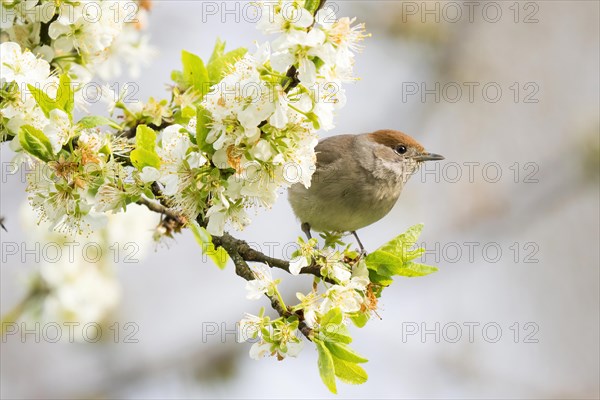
pixel 551 215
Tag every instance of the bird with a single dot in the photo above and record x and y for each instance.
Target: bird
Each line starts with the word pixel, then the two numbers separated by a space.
pixel 357 181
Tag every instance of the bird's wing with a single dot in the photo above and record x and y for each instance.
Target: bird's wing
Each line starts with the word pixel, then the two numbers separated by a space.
pixel 330 150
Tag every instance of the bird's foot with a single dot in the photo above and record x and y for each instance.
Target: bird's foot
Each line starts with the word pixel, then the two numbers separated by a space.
pixel 363 252
pixel 306 229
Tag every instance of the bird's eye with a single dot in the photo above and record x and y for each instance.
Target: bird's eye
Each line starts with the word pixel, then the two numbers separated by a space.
pixel 400 149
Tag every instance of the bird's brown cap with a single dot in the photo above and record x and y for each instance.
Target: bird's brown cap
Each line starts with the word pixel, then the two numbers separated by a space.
pixel 392 139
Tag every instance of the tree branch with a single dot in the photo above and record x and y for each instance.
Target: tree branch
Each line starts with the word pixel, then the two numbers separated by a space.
pixel 251 255
pixel 159 208
pixel 242 269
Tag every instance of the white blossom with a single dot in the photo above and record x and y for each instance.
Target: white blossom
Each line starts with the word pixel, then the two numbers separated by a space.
pixel 59 129
pixel 22 67
pixel 263 283
pixel 149 174
pixel 344 297
pixel 260 350
pixel 297 263
pixel 79 291
pixel 283 16
pixel 131 48
pixel 89 26
pixel 249 328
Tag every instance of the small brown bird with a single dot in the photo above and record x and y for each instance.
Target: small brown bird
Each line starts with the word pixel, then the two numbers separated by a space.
pixel 358 180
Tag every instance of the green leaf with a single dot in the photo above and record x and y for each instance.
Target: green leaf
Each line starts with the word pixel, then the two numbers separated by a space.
pixel 333 316
pixel 219 256
pixel 45 102
pixel 394 259
pixel 94 121
pixel 332 329
pixel 412 254
pixel 194 72
pixel 412 270
pixel 141 158
pixel 177 77
pixel 35 143
pixel 218 51
pixel 203 118
pixel 312 117
pixel 145 137
pixel 65 96
pixel 312 5
pixel 388 264
pixel 188 113
pixel 390 259
pixel 401 244
pixel 360 319
pixel 218 68
pixel 326 366
pixel 349 372
pixel 144 154
pixel 380 279
pixel 343 352
pixel 336 336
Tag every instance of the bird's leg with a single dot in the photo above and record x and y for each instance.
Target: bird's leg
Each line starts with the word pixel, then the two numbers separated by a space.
pixel 362 248
pixel 306 229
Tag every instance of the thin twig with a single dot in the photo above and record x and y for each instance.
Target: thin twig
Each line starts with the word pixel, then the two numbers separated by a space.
pixel 159 208
pixel 242 269
pixel 131 132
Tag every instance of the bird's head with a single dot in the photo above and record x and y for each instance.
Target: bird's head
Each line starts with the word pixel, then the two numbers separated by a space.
pixel 400 151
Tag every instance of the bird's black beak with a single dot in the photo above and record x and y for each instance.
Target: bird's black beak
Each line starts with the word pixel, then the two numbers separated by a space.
pixel 428 157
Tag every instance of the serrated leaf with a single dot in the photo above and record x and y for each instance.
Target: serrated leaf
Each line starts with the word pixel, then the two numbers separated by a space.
pixel 194 72
pixel 94 121
pixel 343 352
pixel 401 244
pixel 387 265
pixel 349 372
pixel 412 270
pixel 203 118
pixel 390 258
pixel 144 154
pixel 219 256
pixel 326 367
pixel 218 68
pixel 35 143
pixel 412 254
